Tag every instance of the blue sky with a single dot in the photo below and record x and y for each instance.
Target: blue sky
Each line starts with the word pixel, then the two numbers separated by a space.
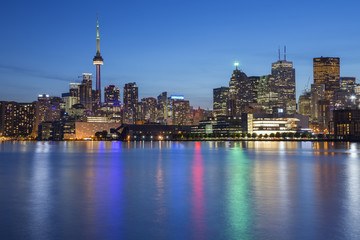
pixel 183 47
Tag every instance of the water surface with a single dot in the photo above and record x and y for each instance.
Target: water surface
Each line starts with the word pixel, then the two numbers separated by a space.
pixel 179 190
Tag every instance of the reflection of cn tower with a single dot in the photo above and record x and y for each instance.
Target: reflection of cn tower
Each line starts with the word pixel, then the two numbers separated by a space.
pixel 98 61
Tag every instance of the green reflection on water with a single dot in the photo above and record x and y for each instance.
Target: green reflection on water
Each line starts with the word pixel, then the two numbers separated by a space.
pixel 238 194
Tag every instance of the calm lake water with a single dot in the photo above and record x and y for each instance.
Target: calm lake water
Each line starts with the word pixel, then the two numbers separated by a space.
pixel 179 190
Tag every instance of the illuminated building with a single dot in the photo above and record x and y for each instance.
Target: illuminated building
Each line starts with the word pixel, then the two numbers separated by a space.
pixel 199 115
pixel 220 125
pixel 85 91
pixel 347 83
pixel 267 94
pixel 162 108
pixel 148 109
pixel 47 109
pixel 112 95
pixel 327 72
pixel 97 119
pixel 240 94
pixel 149 132
pixel 69 101
pixel 98 61
pixel 45 131
pixel 17 119
pixel 111 111
pixel 77 111
pixel 320 108
pixel 284 80
pixel 262 123
pixel 180 109
pixel 346 124
pixel 254 80
pixel 305 104
pixel 221 98
pixel 74 90
pixel 130 102
pixel 345 96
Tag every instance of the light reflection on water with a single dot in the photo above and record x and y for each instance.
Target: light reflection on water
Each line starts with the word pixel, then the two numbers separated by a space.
pixel 179 190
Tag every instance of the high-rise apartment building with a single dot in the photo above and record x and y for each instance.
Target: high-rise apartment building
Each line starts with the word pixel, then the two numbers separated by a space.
pixel 162 108
pixel 220 101
pixel 180 111
pixel 85 91
pixel 17 119
pixel 112 95
pixel 327 72
pixel 149 109
pixel 130 101
pixel 47 109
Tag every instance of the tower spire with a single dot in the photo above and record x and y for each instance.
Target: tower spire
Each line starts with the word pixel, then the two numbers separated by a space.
pixel 285 52
pixel 97 35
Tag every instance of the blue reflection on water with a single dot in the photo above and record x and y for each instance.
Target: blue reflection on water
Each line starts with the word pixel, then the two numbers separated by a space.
pixel 179 190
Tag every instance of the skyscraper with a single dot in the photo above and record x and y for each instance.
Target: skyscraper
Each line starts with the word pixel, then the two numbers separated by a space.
pixel 112 95
pixel 162 108
pixel 98 61
pixel 319 107
pixel 327 72
pixel 254 80
pixel 85 91
pixel 149 109
pixel 240 94
pixel 305 104
pixel 267 94
pixel 345 96
pixel 221 98
pixel 284 80
pixel 130 101
pixel 180 111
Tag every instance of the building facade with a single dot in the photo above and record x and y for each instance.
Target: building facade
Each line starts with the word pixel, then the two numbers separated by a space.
pixel 284 80
pixel 327 72
pixel 220 101
pixel 112 95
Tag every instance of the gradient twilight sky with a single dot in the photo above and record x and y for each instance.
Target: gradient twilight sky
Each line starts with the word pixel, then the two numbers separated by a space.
pixel 183 47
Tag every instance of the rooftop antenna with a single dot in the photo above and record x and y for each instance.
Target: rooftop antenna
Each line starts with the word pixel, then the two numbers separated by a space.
pixel 285 53
pixel 279 53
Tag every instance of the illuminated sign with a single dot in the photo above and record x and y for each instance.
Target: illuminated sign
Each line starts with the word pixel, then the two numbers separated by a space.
pixel 177 97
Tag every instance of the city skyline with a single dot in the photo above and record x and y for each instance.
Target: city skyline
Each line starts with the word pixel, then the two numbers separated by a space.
pixel 178 57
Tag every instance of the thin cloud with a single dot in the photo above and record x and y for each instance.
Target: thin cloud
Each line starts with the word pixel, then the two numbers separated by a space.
pixel 33 73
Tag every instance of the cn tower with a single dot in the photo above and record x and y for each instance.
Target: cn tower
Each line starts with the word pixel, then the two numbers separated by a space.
pixel 98 61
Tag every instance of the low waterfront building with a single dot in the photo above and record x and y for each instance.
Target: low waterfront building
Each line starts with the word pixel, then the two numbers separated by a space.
pixel 149 131
pixel 346 124
pixel 219 125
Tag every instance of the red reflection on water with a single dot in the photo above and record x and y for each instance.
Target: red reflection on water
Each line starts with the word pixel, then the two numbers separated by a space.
pixel 198 208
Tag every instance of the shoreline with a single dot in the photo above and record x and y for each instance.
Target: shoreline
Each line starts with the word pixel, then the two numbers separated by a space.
pixel 191 140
